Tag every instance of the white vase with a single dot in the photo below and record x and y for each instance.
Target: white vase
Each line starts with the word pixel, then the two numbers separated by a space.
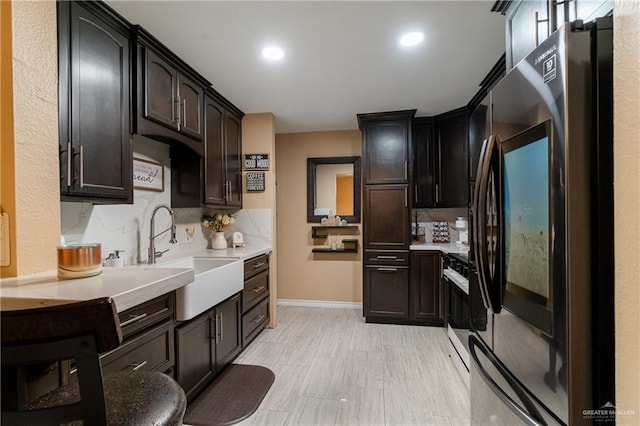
pixel 219 242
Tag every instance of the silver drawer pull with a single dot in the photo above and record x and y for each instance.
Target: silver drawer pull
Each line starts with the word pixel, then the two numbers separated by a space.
pixel 258 289
pixel 257 265
pixel 388 269
pixel 387 257
pixel 132 320
pixel 260 318
pixel 135 366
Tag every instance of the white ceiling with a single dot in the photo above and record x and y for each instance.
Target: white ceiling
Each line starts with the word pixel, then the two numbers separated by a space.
pixel 342 57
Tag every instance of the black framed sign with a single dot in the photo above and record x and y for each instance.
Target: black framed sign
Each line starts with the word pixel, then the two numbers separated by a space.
pixel 256 161
pixel 255 181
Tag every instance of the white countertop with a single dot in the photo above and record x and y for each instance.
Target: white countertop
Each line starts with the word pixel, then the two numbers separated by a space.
pixel 248 252
pixel 443 247
pixel 128 286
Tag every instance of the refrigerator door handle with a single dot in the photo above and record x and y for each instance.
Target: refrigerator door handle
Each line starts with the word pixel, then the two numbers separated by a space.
pixel 479 220
pixel 529 414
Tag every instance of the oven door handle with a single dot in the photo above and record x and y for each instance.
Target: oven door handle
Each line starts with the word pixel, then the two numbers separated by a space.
pixel 529 414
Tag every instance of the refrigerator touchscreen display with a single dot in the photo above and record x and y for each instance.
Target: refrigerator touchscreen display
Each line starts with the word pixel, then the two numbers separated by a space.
pixel 525 179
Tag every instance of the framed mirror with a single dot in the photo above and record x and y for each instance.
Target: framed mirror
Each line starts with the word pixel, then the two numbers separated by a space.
pixel 333 187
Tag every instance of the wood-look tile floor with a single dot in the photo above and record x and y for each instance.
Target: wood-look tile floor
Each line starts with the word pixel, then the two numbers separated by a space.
pixel 334 369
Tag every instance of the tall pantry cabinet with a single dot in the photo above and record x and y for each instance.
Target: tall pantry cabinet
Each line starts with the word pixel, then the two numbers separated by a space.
pixel 386 221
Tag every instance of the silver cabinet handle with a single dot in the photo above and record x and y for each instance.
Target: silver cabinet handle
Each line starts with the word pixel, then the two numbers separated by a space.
pixel 387 257
pixel 405 170
pixel 406 201
pixel 221 328
pixel 257 265
pixel 258 319
pixel 69 159
pixel 135 366
pixel 132 320
pixel 177 118
pixel 415 193
pixel 387 269
pixel 437 193
pixel 184 112
pixel 81 166
pixel 258 289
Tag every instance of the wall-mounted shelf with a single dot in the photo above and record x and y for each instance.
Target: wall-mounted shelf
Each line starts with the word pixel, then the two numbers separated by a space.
pixel 325 231
pixel 349 246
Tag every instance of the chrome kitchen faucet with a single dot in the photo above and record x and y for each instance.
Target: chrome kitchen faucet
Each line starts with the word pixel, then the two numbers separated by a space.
pixel 153 255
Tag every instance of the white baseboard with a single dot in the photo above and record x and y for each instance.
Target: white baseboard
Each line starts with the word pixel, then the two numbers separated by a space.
pixel 319 304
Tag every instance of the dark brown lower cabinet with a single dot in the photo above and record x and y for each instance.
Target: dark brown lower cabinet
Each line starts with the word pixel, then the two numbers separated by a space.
pixel 386 293
pixel 255 298
pixel 207 344
pixel 402 287
pixel 426 291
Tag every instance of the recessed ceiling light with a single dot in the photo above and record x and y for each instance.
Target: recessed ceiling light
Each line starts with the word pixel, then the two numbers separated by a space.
pixel 412 38
pixel 273 53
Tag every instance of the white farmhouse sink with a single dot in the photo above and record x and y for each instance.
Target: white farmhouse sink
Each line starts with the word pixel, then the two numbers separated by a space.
pixel 216 279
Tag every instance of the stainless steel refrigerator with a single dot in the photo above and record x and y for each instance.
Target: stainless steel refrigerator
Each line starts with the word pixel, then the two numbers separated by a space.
pixel 541 347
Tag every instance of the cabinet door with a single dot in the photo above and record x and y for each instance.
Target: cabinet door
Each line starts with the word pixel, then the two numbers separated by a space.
pixel 233 160
pixel 190 95
pixel 386 217
pixel 386 152
pixel 386 292
pixel 98 151
pixel 423 165
pixel 524 31
pixel 195 342
pixel 160 89
pixel 214 176
pixel 228 332
pixel 478 132
pixel 588 10
pixel 453 177
pixel 425 286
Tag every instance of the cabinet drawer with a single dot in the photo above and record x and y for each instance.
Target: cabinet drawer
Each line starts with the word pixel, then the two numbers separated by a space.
pixel 146 314
pixel 389 257
pixel 255 289
pixel 151 351
pixel 254 321
pixel 256 265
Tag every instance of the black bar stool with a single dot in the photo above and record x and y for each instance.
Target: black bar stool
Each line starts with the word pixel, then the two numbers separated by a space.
pixel 81 331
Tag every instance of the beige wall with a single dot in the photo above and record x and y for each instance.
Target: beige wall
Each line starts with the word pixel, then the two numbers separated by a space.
pixel 36 168
pixel 627 206
pixel 7 183
pixel 258 137
pixel 301 274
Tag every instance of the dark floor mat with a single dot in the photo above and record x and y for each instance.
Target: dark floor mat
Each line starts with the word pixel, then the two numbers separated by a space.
pixel 232 397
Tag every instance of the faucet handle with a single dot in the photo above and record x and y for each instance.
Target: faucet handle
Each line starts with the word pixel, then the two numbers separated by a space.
pixel 160 253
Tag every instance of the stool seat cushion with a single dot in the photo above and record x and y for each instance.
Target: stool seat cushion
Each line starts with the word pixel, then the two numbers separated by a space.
pixel 132 398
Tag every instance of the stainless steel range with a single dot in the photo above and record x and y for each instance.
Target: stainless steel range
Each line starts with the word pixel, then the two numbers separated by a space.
pixel 455 276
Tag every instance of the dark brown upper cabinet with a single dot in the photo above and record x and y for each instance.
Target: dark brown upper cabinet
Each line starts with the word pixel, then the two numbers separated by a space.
pixel 94 131
pixel 423 163
pixel 223 151
pixel 440 161
pixel 386 224
pixel 385 150
pixel 529 22
pixel 452 176
pixel 215 179
pixel 170 95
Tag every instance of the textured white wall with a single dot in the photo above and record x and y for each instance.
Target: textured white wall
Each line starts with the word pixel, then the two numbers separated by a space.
pixel 35 70
pixel 627 206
